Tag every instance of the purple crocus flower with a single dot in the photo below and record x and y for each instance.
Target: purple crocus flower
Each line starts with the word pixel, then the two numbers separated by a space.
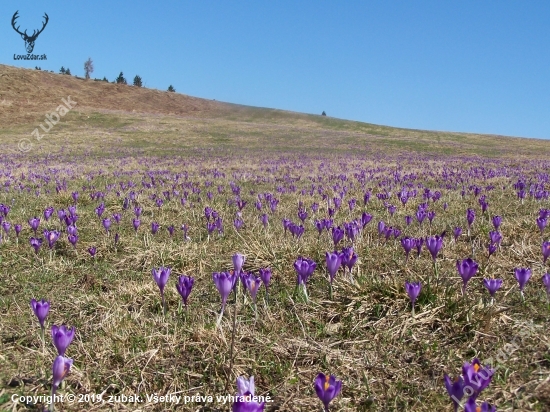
pixel 154 228
pixel 541 223
pixel 434 245
pixel 238 262
pixel 184 287
pixel 247 403
pixel 546 281
pixel 304 268
pixel 421 215
pixel 171 229
pixel 219 224
pixel 61 367
pixel 238 223
pixel 252 284
pixel 476 376
pixel 161 276
pixel 245 386
pixel 73 239
pixel 337 235
pixel 99 210
pixel 116 217
pixel 264 218
pixel 457 231
pixel 327 388
pixel 497 221
pixel 413 290
pixel 492 285
pixel 62 338
pixel 408 220
pixel 92 251
pixel 418 242
pixel 265 275
pixel 349 257
pixel 455 389
pixel 495 237
pixel 545 250
pixel 522 276
pixel 470 217
pixel 48 212
pixel 408 243
pixel 136 222
pixel 107 224
pixel 471 406
pixel 491 248
pixel 467 269
pixel 365 219
pixel 74 195
pixel 210 227
pixel 6 226
pixel 17 227
pixel 51 236
pixel 137 211
pixel 225 282
pixel 40 309
pixel 381 227
pixel 334 261
pixel 34 223
pixel 36 243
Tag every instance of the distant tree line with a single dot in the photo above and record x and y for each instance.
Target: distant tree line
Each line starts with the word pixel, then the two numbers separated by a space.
pixel 89 69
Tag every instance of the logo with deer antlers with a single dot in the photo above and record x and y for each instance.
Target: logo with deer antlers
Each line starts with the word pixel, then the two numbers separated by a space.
pixel 29 40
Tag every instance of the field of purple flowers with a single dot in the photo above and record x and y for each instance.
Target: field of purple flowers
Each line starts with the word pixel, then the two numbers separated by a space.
pixel 411 282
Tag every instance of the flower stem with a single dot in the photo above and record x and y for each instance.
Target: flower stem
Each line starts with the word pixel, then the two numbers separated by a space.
pixel 43 340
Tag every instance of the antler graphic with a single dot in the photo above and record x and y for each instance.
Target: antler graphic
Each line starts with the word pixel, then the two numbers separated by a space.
pixel 34 36
pixel 15 16
pixel 29 40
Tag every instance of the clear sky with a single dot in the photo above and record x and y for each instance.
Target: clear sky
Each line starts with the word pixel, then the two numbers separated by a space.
pixel 473 66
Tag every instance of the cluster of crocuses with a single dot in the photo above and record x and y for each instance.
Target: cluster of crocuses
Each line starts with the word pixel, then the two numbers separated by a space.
pixel 351 229
pixel 475 378
pixel 542 220
pixel 269 199
pixel 67 217
pixel 387 231
pixel 334 260
pixel 61 337
pixel 295 230
pixel 213 220
pixel 226 282
pixel 434 244
pixel 184 285
pixel 327 387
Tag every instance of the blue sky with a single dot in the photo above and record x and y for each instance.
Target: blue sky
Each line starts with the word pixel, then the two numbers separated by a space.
pixel 472 66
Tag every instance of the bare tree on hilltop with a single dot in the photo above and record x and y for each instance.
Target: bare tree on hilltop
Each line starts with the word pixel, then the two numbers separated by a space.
pixel 88 68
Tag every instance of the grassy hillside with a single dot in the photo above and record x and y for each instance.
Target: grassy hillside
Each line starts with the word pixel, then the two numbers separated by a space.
pixel 162 122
